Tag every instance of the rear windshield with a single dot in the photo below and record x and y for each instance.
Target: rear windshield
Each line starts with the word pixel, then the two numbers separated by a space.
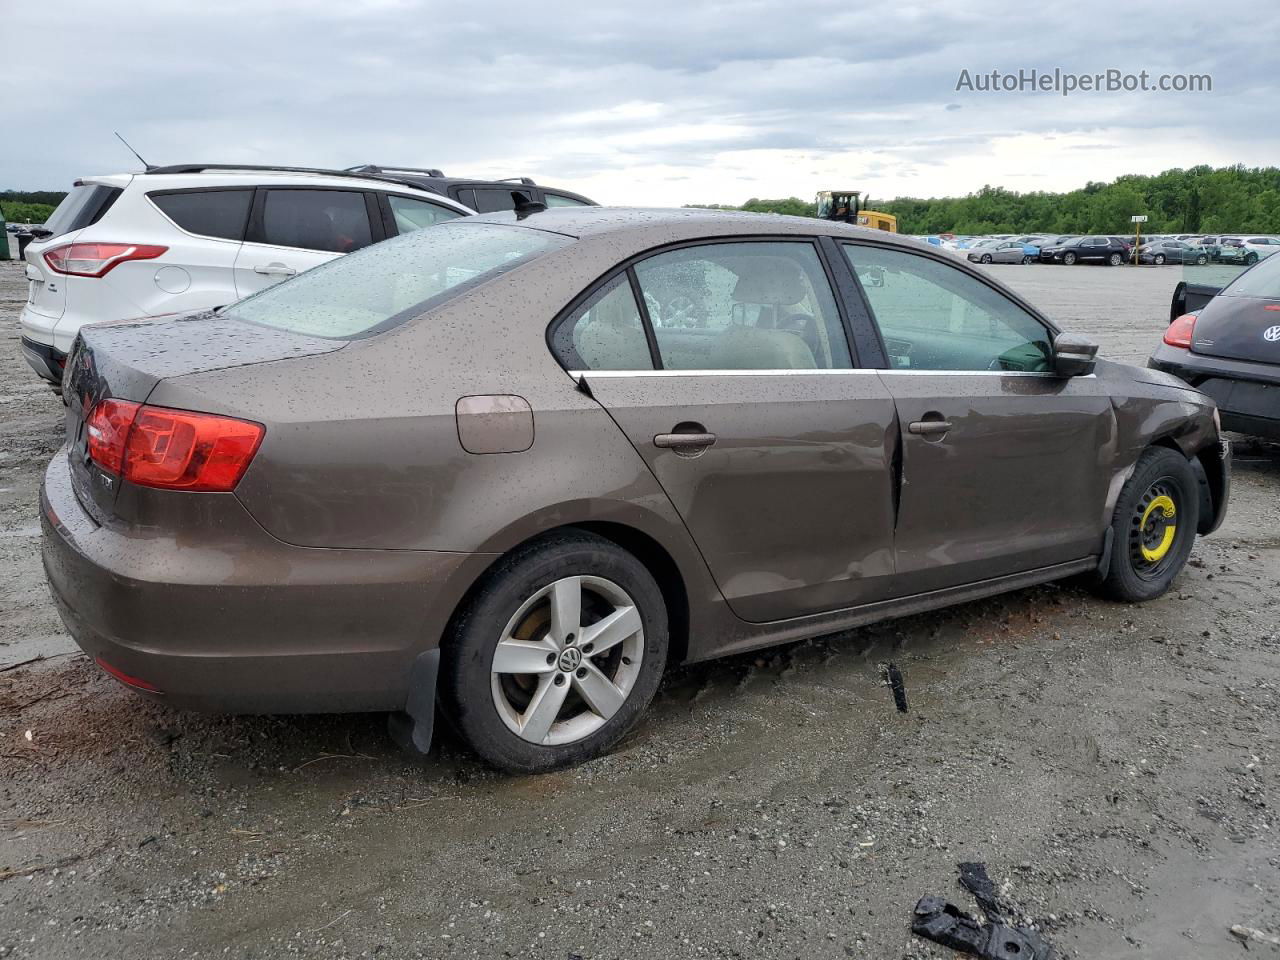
pixel 1262 280
pixel 84 205
pixel 375 288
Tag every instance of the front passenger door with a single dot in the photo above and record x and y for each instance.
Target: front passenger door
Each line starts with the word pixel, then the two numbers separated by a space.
pixel 1005 465
pixel 295 229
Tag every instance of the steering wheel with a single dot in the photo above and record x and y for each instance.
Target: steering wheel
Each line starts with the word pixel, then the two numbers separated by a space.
pixel 681 311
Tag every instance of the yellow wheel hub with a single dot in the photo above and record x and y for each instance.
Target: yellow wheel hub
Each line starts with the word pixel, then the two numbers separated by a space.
pixel 1159 510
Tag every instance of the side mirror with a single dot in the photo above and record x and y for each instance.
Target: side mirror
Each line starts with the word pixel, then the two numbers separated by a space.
pixel 1073 355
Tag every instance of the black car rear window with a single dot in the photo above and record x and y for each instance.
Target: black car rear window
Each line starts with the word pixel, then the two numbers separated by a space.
pixel 1261 281
pixel 84 205
pixel 209 213
pixel 390 282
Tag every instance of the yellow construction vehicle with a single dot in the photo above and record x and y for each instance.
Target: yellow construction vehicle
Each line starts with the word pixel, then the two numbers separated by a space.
pixel 844 205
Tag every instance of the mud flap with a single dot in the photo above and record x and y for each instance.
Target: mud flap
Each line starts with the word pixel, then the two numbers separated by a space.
pixel 1104 561
pixel 412 727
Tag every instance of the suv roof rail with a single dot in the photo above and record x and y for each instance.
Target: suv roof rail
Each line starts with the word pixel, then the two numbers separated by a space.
pixel 368 174
pixel 374 168
pixel 527 181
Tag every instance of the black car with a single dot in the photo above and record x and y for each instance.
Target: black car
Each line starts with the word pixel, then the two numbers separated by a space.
pixel 1086 250
pixel 482 196
pixel 1172 251
pixel 1226 343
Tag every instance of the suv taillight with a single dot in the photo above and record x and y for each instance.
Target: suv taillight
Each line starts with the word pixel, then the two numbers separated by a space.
pixel 1180 331
pixel 97 259
pixel 171 449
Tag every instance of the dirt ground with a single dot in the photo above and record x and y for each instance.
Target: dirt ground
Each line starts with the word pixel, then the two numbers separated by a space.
pixel 1115 766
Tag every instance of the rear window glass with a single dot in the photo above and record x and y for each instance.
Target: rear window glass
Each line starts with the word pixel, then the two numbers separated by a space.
pixel 209 213
pixel 390 282
pixel 84 205
pixel 1261 281
pixel 560 200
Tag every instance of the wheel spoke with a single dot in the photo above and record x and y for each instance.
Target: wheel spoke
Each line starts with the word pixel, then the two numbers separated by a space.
pixel 612 630
pixel 524 656
pixel 536 721
pixel 599 692
pixel 566 608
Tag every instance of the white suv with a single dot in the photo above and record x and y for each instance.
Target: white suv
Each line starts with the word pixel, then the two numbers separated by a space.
pixel 176 239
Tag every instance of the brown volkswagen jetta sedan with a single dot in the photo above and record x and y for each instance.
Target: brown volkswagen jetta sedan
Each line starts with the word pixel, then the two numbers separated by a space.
pixel 512 467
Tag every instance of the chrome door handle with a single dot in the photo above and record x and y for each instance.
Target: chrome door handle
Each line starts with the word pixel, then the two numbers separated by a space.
pixel 684 441
pixel 274 270
pixel 929 428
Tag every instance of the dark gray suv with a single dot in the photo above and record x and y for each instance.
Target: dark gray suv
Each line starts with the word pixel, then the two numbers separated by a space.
pixel 483 196
pixel 520 464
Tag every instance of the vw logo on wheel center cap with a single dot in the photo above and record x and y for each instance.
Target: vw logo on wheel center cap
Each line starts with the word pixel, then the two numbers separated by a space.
pixel 570 659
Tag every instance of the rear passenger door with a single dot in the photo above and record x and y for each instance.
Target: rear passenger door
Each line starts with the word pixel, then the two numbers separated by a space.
pixel 292 229
pixel 728 366
pixel 1005 465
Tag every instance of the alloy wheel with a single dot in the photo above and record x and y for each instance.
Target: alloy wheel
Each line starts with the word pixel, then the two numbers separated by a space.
pixel 567 660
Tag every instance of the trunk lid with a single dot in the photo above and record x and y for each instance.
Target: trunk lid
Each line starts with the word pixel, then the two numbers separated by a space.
pixel 126 360
pixel 87 202
pixel 46 290
pixel 1239 328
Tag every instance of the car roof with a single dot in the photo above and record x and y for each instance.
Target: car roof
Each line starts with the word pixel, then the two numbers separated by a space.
pixel 162 180
pixel 655 225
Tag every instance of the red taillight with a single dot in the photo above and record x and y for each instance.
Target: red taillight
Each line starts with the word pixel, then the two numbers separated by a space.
pixel 97 259
pixel 1179 332
pixel 107 429
pixel 124 678
pixel 171 449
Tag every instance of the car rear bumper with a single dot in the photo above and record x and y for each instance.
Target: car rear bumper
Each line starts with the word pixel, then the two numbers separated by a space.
pixel 246 624
pixel 44 360
pixel 1247 394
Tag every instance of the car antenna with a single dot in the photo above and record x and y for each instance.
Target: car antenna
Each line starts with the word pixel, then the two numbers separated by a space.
pixel 133 151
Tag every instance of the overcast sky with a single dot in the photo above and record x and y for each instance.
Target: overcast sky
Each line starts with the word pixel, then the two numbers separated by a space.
pixel 651 102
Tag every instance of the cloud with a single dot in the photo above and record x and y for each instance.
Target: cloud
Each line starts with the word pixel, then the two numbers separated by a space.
pixel 663 103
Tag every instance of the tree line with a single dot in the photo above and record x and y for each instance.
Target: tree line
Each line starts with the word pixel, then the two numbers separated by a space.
pixel 1201 199
pixel 28 206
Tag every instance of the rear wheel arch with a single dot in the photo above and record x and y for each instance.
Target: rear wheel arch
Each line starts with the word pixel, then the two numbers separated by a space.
pixel 655 557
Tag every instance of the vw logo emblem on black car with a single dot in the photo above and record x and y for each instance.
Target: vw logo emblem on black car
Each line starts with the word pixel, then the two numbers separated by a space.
pixel 1271 334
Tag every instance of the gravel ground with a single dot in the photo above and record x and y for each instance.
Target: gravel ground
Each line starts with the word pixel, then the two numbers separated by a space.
pixel 1115 766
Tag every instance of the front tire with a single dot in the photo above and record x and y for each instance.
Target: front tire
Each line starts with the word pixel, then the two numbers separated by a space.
pixel 1068 258
pixel 1158 259
pixel 1154 527
pixel 556 656
pixel 1201 260
pixel 986 258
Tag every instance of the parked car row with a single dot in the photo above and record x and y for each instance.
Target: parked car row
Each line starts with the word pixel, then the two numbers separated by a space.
pixel 1244 249
pixel 1156 249
pixel 198 236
